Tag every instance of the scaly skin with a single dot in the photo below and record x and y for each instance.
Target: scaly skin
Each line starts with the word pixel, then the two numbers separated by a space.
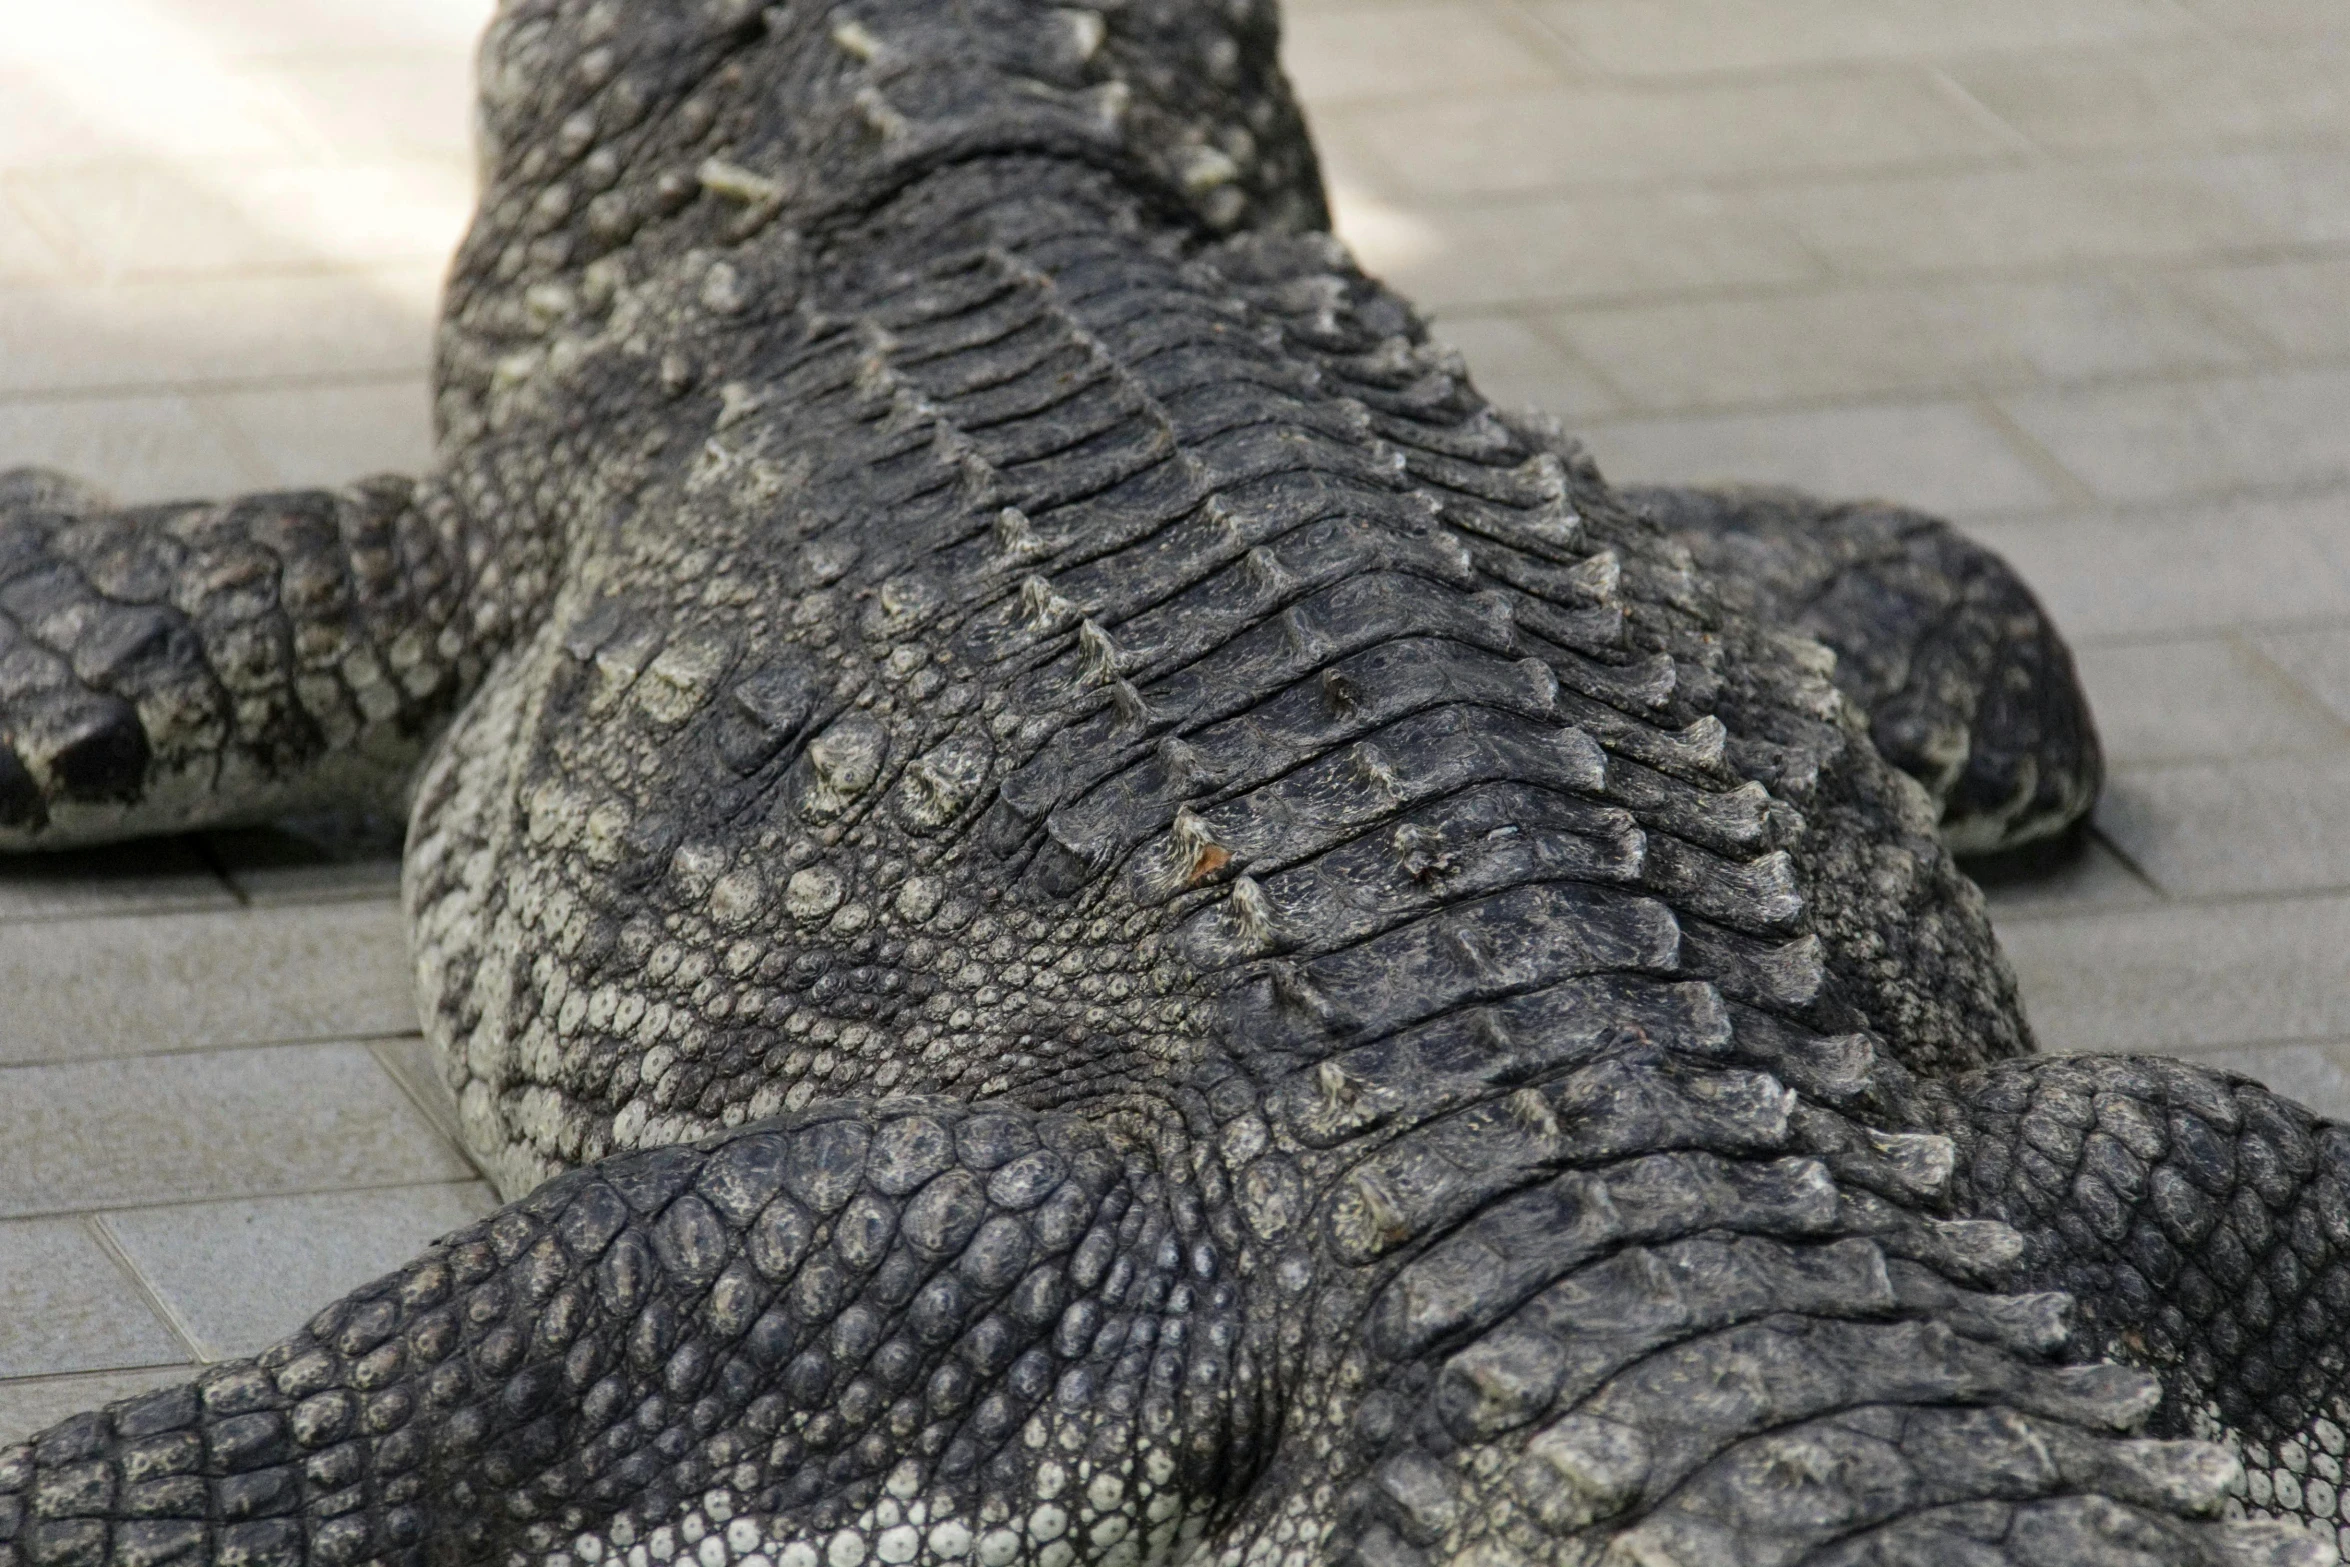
pixel 198 664
pixel 1091 915
pixel 1967 686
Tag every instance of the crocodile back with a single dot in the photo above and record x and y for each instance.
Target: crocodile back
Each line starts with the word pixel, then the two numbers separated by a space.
pixel 1031 647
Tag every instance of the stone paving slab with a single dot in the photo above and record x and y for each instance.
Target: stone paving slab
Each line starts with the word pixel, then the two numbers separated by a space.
pixel 1884 339
pixel 367 105
pixel 235 1277
pixel 151 448
pixel 183 981
pixel 332 434
pixel 2301 192
pixel 2031 217
pixel 1599 247
pixel 52 125
pixel 2185 976
pixel 147 222
pixel 1415 51
pixel 70 1305
pixel 2257 561
pixel 2319 659
pixel 1509 143
pixel 2210 829
pixel 1518 366
pixel 86 1135
pixel 25 257
pixel 1639 38
pixel 1949 455
pixel 2176 93
pixel 2152 442
pixel 212 331
pixel 2296 306
pixel 2185 698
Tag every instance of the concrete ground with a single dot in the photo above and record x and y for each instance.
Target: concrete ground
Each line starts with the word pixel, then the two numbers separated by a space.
pixel 2074 272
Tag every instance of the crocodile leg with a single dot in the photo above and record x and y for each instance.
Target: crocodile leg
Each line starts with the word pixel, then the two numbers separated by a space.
pixel 1966 684
pixel 2197 1218
pixel 867 1334
pixel 178 666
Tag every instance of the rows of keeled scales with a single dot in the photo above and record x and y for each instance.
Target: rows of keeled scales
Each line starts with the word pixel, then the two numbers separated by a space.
pixel 1156 461
pixel 604 122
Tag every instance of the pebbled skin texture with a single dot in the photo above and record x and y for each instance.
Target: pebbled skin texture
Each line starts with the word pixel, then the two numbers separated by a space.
pixel 1091 915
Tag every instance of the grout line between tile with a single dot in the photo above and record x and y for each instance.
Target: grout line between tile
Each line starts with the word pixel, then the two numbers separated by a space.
pixel 202 387
pixel 2107 162
pixel 1983 113
pixel 2182 635
pixel 1539 324
pixel 254 1194
pixel 2282 1042
pixel 54 238
pixel 2171 902
pixel 433 1107
pixel 94 1222
pixel 162 1052
pixel 39 1378
pixel 1518 19
pixel 322 897
pixel 2068 485
pixel 1980 389
pixel 2129 862
pixel 209 853
pixel 1826 276
pixel 243 450
pixel 2308 701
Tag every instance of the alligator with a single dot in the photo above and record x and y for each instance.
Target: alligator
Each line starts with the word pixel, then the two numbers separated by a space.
pixel 1087 914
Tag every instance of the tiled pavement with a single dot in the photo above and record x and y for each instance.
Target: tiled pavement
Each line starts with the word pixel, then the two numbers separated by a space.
pixel 2076 272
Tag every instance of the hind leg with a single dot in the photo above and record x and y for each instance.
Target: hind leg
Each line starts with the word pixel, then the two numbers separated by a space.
pixel 180 666
pixel 1966 684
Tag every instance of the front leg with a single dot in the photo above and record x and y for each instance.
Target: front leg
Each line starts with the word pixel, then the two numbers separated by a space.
pixel 861 1335
pixel 171 667
pixel 1965 682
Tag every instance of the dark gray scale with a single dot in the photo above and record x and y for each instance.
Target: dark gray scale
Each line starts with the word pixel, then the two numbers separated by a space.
pixel 2187 1212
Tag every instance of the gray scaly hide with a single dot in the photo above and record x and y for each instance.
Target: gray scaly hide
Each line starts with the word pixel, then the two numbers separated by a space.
pixel 1093 917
